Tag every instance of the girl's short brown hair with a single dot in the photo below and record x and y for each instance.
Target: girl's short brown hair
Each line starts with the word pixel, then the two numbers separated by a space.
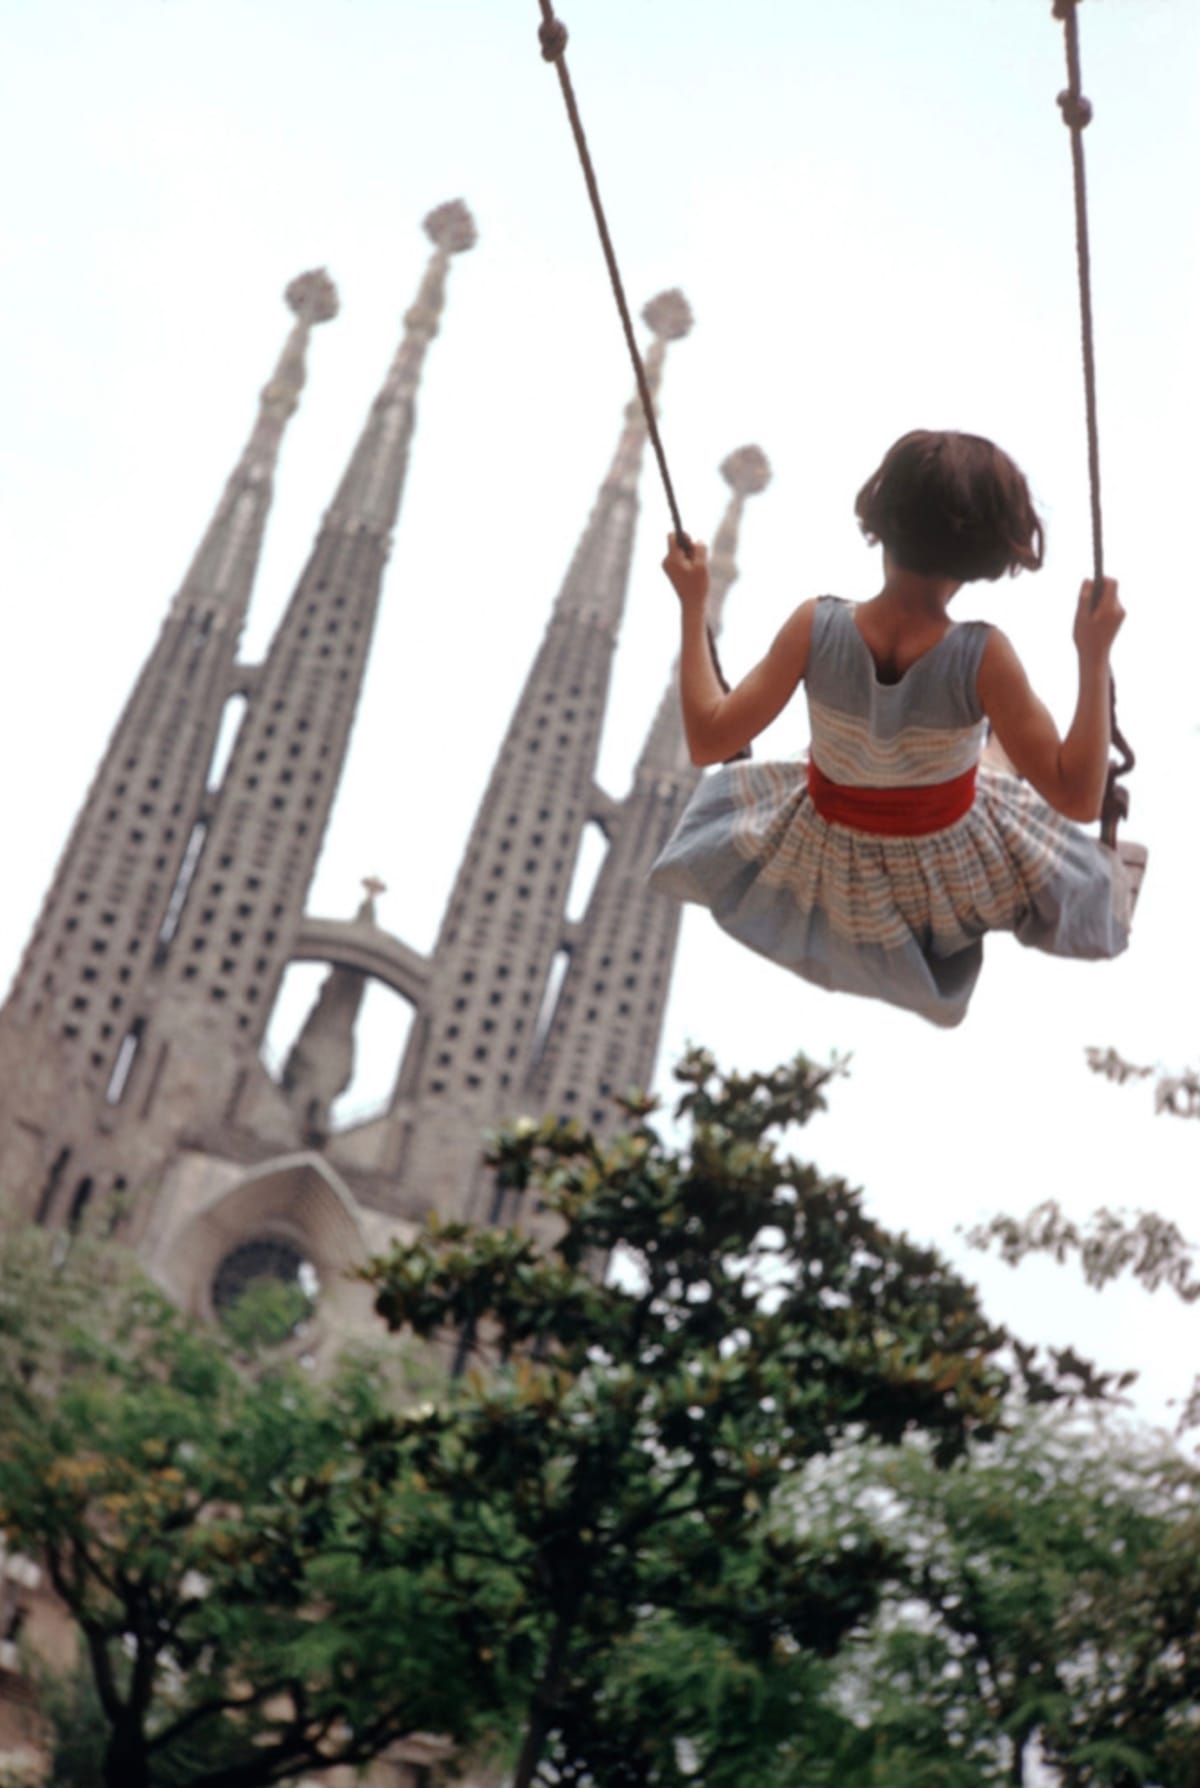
pixel 951 505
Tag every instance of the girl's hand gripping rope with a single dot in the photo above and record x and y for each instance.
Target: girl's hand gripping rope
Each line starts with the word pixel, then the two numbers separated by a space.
pixel 689 575
pixel 1098 620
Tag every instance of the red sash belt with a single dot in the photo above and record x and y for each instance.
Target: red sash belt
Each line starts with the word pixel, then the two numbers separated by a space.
pixel 899 812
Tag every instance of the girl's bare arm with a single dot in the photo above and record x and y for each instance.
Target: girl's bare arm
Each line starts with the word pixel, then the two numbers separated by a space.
pixel 1068 773
pixel 718 723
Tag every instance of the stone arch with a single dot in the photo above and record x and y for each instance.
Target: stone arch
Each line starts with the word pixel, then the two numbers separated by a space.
pixel 361 945
pixel 297 1199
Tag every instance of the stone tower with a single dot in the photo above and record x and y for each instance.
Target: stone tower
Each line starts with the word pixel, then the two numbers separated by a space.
pixel 139 1008
pixel 133 1095
pixel 79 1006
pixel 603 1036
pixel 473 1049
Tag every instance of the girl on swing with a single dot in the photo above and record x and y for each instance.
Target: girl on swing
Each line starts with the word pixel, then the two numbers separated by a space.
pixel 877 867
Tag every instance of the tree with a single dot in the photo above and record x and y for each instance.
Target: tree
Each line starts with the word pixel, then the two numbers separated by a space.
pixel 267 1315
pixel 1135 1628
pixel 198 1523
pixel 612 1483
pixel 1018 1610
pixel 1176 1092
pixel 1141 1245
pixel 1140 1631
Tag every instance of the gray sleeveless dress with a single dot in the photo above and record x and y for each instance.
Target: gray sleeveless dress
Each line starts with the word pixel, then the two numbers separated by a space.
pixel 895 918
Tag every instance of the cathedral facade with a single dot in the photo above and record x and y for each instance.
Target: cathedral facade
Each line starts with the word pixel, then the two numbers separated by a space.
pixel 134 1100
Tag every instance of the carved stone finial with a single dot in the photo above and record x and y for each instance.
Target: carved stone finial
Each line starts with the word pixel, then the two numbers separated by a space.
pixel 451 227
pixel 669 316
pixel 747 471
pixel 313 295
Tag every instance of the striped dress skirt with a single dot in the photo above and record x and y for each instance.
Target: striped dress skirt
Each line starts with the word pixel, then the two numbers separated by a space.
pixel 877 866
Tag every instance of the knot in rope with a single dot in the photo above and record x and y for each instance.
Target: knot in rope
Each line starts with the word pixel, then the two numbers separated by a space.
pixel 1076 110
pixel 552 35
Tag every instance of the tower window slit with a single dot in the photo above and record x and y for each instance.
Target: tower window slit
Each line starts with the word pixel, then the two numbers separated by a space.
pixel 232 716
pixel 183 881
pixel 123 1066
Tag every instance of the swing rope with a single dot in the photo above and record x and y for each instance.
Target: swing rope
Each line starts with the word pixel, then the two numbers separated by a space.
pixel 1077 115
pixel 552 35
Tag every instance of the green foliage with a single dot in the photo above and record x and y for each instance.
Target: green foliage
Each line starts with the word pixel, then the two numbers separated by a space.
pixel 1176 1093
pixel 79 1737
pixel 1133 1615
pixel 200 1526
pixel 1141 1245
pixel 267 1315
pixel 605 1496
pixel 760 1506
pixel 1138 1717
pixel 1147 1247
pixel 1006 1622
pixel 77 1726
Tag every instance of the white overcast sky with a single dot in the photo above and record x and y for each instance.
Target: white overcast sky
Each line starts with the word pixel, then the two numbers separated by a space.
pixel 868 206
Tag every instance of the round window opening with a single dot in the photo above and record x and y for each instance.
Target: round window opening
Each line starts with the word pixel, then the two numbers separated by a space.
pixel 264 1291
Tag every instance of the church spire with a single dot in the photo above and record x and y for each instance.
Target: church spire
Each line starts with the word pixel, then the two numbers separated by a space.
pixel 470 1052
pixel 368 497
pixel 222 573
pixel 594 587
pixel 604 1034
pixel 246 901
pixel 84 971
